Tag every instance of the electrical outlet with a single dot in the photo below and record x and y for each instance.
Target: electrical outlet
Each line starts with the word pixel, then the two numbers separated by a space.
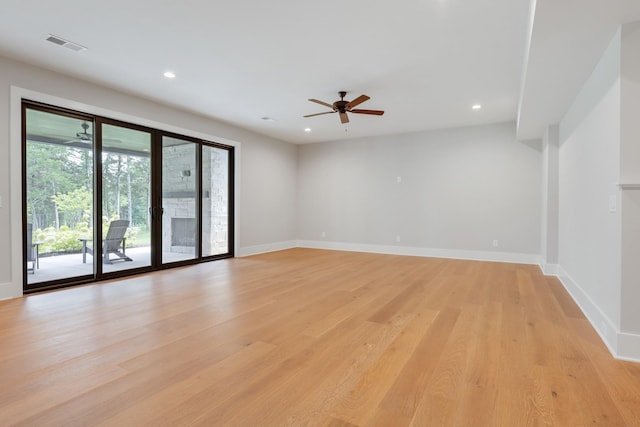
pixel 399 179
pixel 324 234
pixel 495 243
pixel 398 239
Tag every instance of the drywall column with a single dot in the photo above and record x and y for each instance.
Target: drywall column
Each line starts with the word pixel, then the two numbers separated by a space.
pixel 549 229
pixel 589 233
pixel 629 342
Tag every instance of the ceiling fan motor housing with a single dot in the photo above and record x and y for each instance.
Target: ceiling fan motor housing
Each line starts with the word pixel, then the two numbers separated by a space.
pixel 340 106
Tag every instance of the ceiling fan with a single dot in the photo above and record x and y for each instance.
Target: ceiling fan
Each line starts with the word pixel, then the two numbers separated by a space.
pixel 81 138
pixel 343 107
pixel 84 136
pixel 87 137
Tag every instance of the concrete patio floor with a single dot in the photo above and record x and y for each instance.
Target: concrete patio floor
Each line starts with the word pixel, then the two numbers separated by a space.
pixel 68 266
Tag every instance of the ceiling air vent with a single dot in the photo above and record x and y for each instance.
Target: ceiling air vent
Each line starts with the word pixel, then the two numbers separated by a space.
pixel 65 43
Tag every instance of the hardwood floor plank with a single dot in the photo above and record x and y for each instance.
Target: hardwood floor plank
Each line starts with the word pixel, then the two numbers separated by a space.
pixel 359 405
pixel 359 299
pixel 171 397
pixel 332 389
pixel 312 337
pixel 414 281
pixel 445 386
pixel 106 400
pixel 404 395
pixel 209 399
pixel 625 390
pixel 569 307
pixel 335 422
pixel 269 400
pixel 53 388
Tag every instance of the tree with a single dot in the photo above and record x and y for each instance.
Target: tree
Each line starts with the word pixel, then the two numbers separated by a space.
pixel 74 206
pixel 53 169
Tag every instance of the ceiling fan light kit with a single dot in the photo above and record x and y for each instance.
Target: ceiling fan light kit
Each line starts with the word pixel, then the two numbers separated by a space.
pixel 343 107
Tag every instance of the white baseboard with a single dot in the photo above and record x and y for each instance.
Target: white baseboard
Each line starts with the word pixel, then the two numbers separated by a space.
pixel 550 269
pixel 9 291
pixel 423 252
pixel 628 347
pixel 621 345
pixel 268 247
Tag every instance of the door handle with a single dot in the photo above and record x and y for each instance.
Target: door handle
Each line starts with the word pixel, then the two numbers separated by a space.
pixel 153 211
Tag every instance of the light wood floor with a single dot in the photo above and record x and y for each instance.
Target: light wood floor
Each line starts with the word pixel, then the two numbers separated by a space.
pixel 308 337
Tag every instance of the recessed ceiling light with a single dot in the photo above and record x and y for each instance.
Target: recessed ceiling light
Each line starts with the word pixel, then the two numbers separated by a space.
pixel 476 106
pixel 169 75
pixel 307 129
pixel 268 119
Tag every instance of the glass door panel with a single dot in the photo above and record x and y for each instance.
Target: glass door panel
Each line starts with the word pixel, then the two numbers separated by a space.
pixel 179 200
pixel 58 196
pixel 102 197
pixel 215 201
pixel 126 198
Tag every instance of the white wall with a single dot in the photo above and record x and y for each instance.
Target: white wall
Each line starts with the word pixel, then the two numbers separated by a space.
pixel 460 189
pixel 630 174
pixel 549 220
pixel 268 197
pixel 267 170
pixel 589 169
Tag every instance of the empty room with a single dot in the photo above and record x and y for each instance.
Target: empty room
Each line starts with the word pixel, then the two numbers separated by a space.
pixel 363 213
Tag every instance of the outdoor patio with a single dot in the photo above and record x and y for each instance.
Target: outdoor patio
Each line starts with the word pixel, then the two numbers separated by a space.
pixel 70 265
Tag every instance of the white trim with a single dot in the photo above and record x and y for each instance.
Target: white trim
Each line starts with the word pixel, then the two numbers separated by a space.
pixel 600 321
pixel 621 345
pixel 509 257
pixel 268 247
pixel 6 291
pixel 15 187
pixel 17 94
pixel 628 347
pixel 550 269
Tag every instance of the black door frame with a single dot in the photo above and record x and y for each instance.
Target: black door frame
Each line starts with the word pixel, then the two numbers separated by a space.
pixel 156 198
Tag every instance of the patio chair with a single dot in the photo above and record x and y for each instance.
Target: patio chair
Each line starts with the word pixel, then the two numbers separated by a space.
pixel 113 243
pixel 33 251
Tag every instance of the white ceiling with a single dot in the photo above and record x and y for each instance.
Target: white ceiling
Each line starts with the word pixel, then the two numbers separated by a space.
pixel 425 62
pixel 568 39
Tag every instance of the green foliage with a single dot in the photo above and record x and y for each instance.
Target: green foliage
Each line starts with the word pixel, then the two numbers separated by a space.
pixel 74 205
pixel 52 170
pixel 63 240
pixel 66 239
pixel 60 183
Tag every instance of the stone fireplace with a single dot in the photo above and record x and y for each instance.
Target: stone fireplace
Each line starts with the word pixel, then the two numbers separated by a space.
pixel 183 232
pixel 179 220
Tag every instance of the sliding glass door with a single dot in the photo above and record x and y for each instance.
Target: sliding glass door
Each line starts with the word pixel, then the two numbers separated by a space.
pixel 104 198
pixel 179 200
pixel 58 178
pixel 216 202
pixel 126 195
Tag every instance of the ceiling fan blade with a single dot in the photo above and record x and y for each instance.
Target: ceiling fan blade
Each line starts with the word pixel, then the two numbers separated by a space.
pixel 321 103
pixel 344 118
pixel 374 112
pixel 359 100
pixel 319 114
